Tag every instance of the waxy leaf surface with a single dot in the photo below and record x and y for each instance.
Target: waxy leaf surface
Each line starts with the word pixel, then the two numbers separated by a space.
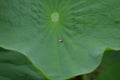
pixel 62 38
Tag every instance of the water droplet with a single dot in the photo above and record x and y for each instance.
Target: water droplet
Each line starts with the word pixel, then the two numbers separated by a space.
pixel 60 40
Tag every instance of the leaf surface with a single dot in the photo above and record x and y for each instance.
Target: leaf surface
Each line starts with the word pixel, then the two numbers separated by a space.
pixel 63 38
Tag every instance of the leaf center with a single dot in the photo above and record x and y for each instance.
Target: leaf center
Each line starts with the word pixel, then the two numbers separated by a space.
pixel 55 17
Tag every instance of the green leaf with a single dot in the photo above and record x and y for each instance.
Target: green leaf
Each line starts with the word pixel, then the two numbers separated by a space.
pixel 62 38
pixel 15 66
pixel 111 66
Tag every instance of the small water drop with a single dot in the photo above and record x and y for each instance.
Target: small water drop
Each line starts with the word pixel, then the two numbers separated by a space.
pixel 60 40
